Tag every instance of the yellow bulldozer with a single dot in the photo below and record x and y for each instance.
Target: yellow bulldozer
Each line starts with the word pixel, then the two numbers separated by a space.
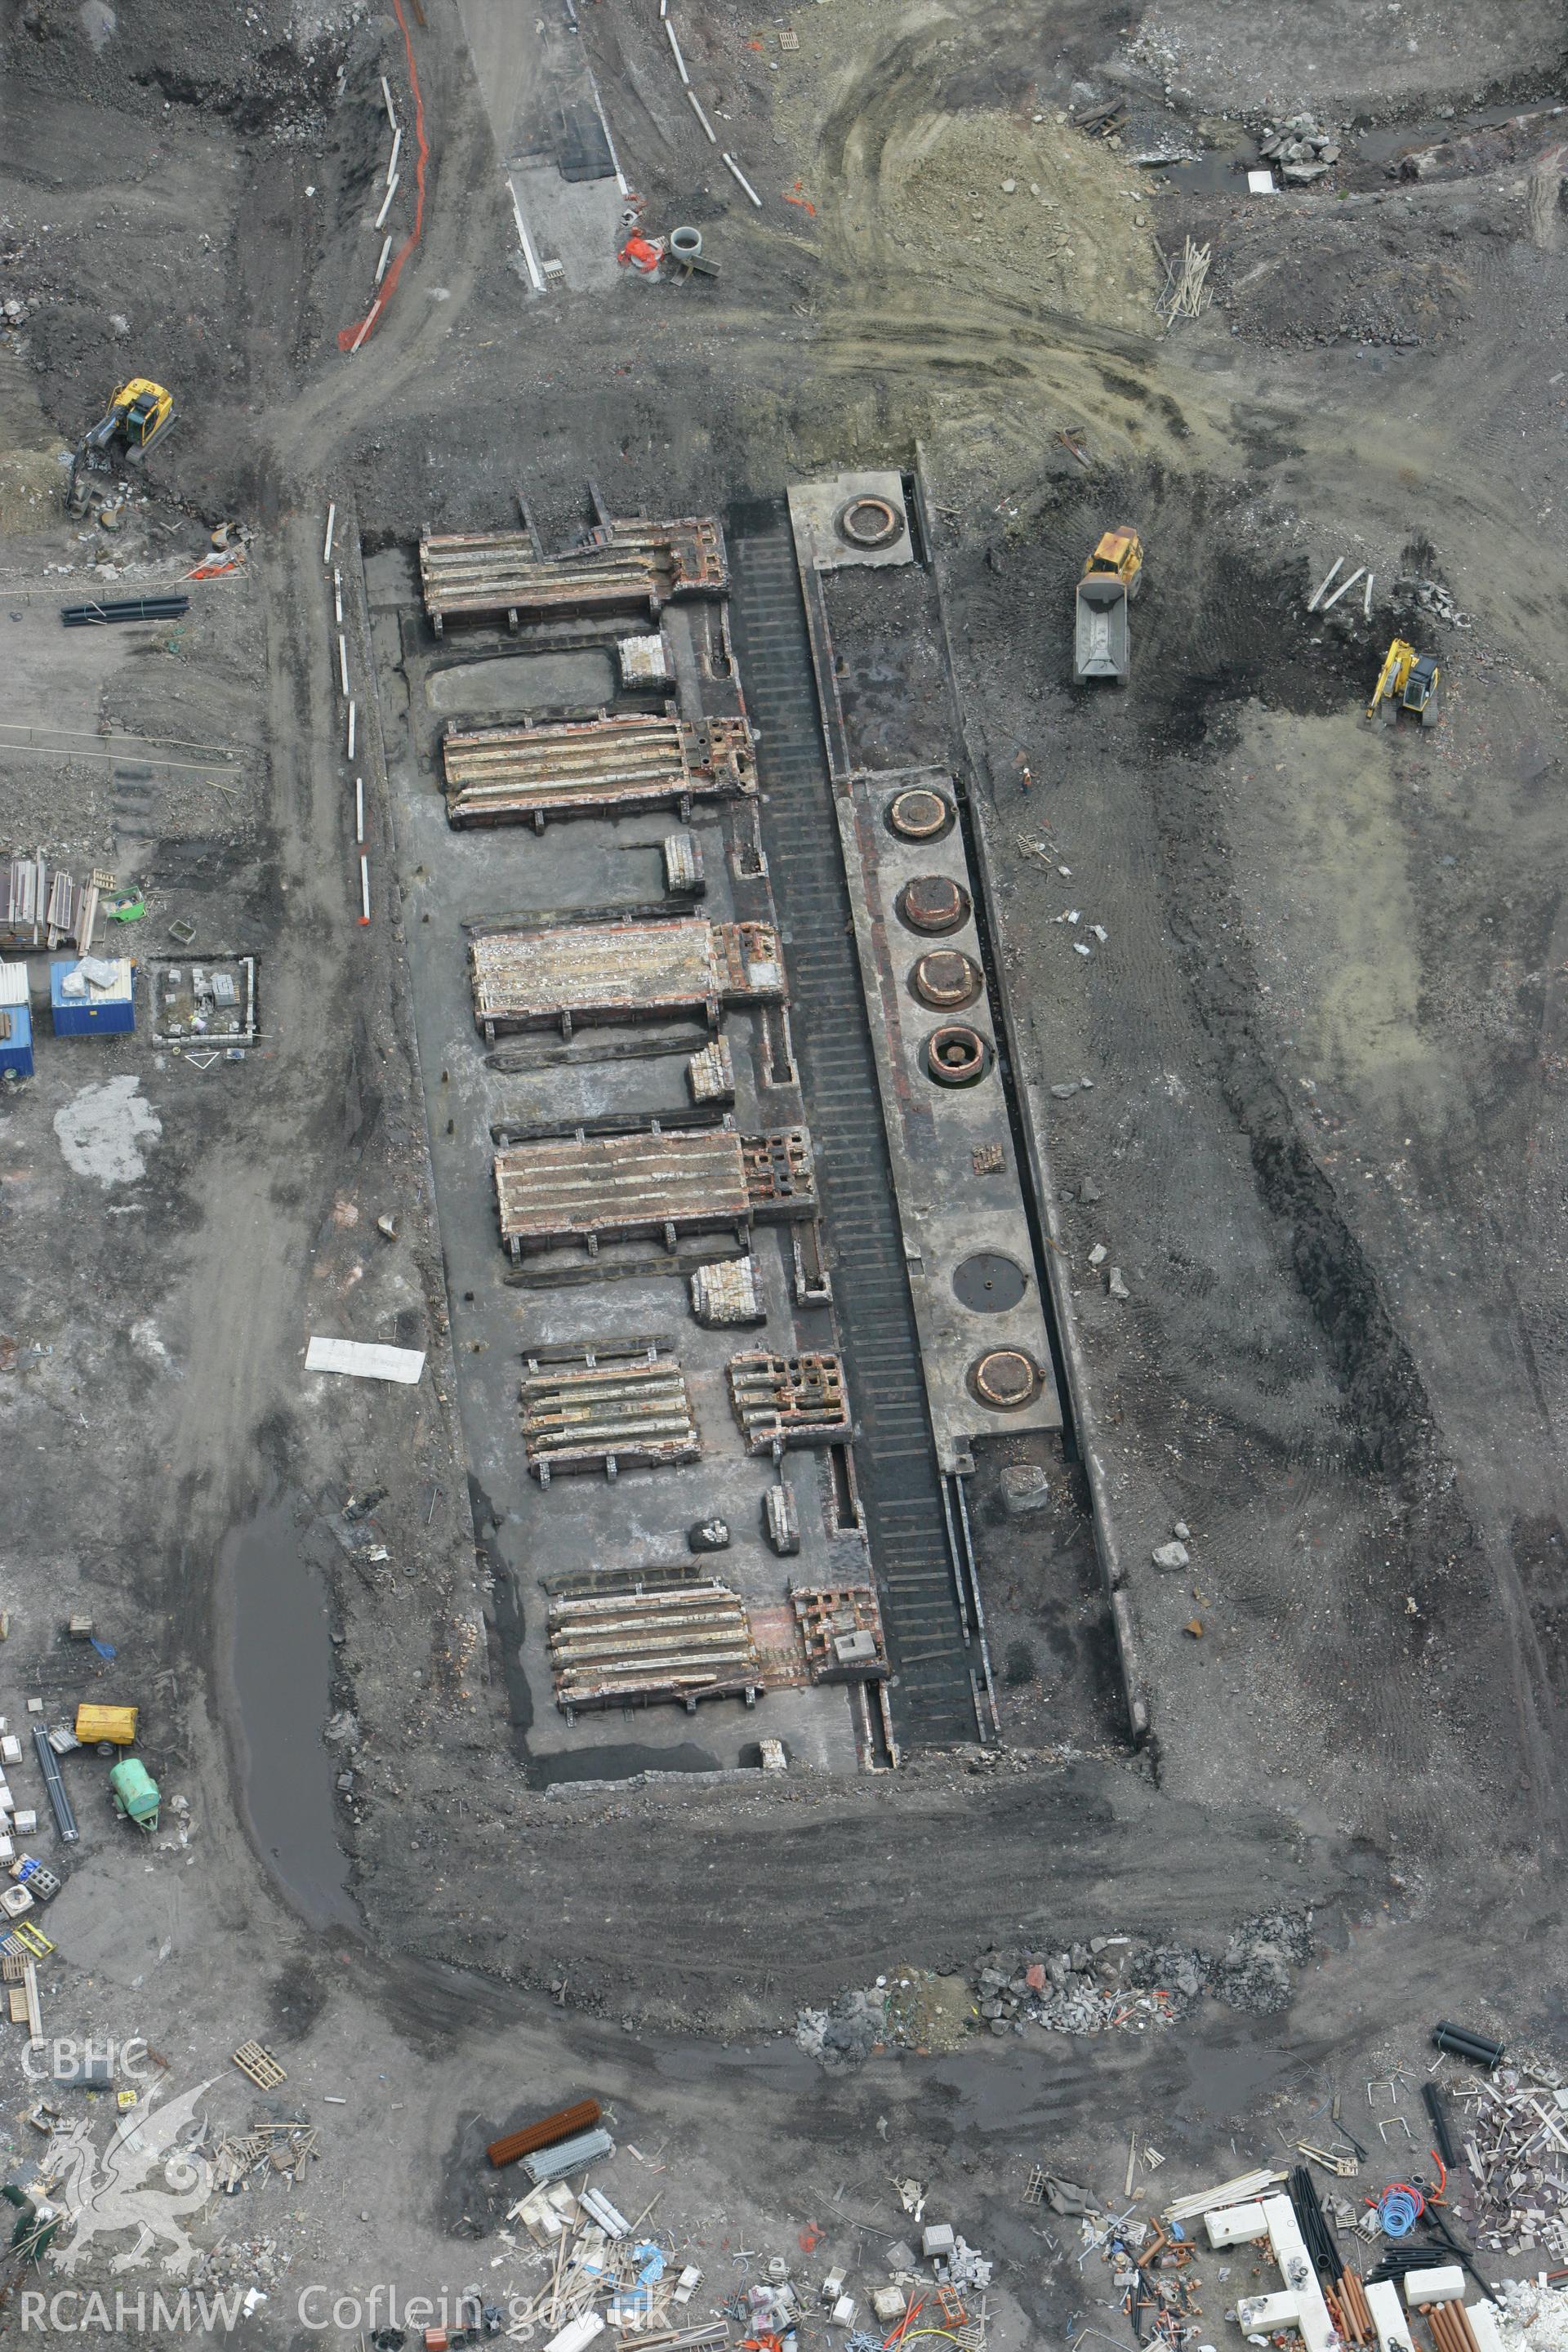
pixel 138 414
pixel 1408 681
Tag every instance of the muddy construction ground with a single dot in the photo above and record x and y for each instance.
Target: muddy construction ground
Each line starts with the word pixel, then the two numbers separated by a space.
pixel 1280 997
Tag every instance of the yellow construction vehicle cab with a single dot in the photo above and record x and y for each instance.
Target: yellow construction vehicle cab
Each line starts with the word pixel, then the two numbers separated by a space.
pixel 1121 553
pixel 1408 681
pixel 138 413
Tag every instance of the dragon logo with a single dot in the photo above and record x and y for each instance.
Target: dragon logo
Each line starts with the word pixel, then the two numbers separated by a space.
pixel 153 2174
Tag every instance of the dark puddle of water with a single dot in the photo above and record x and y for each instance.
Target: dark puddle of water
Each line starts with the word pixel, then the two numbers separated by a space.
pixel 1380 143
pixel 1212 168
pixel 1232 2070
pixel 618 1760
pixel 277 1662
pixel 1215 2066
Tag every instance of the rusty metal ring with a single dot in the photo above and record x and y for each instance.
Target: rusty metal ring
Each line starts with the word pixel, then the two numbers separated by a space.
pixel 1005 1379
pixel 956 1054
pixel 869 522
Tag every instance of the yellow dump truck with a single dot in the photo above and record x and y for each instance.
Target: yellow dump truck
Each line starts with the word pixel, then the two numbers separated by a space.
pixel 1111 578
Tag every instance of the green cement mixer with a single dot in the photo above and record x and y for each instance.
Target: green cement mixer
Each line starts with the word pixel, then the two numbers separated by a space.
pixel 135 1792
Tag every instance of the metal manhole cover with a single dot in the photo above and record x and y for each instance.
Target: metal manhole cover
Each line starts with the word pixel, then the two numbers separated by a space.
pixel 870 523
pixel 988 1282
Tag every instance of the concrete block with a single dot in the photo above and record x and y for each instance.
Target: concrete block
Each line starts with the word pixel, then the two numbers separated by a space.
pixel 781 1519
pixel 1236 2225
pixel 1308 2313
pixel 1388 2318
pixel 1025 1489
pixel 1261 2314
pixel 1444 2283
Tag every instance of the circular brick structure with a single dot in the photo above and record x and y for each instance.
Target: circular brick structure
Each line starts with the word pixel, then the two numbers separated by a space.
pixel 956 1054
pixel 934 904
pixel 920 814
pixel 946 978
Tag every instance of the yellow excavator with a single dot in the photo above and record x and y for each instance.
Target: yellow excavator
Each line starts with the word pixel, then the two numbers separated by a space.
pixel 1408 681
pixel 138 414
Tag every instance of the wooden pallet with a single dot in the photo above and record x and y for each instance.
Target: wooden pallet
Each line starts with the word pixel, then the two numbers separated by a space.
pixel 260 2065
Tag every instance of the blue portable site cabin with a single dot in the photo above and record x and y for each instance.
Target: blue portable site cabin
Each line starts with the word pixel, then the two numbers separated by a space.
pixel 16 1020
pixel 92 1010
pixel 16 1039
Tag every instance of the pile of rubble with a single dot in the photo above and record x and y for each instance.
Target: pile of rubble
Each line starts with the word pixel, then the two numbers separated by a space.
pixel 1152 2275
pixel 1121 1982
pixel 852 2030
pixel 923 2009
pixel 279 2151
pixel 1086 1989
pixel 1429 596
pixel 1301 150
pixel 249 2259
pixel 1109 1983
pixel 588 2253
pixel 590 2263
pixel 1531 2317
pixel 1516 2149
pixel 926 2012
